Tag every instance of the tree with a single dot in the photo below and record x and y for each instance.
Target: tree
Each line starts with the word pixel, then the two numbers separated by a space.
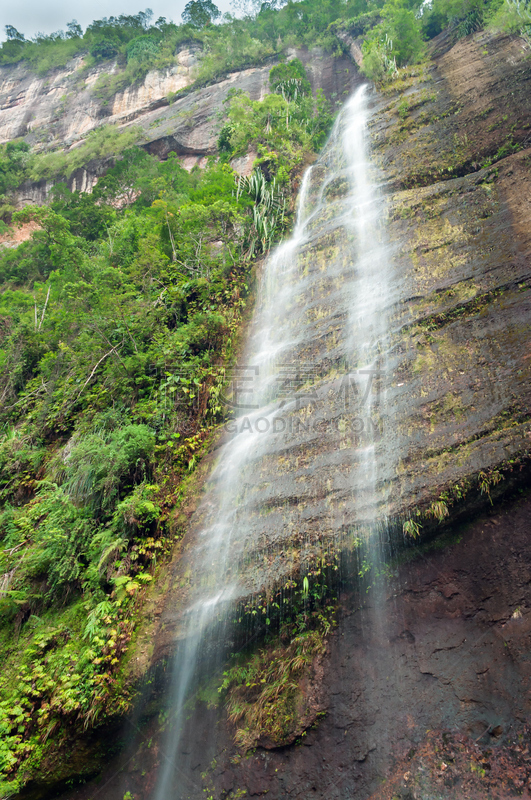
pixel 142 49
pixel 290 80
pixel 200 13
pixel 74 30
pixel 404 30
pixel 105 48
pixel 251 8
pixel 13 35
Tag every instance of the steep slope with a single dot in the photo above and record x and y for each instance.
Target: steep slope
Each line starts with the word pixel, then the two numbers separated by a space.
pixel 163 114
pixel 457 426
pixel 451 140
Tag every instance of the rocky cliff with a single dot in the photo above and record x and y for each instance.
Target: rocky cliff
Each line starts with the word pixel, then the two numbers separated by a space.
pixel 457 427
pixel 53 113
pixel 451 143
pixel 434 704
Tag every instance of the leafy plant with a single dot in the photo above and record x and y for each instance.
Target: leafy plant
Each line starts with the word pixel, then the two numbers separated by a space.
pixel 487 480
pixel 513 16
pixel 438 510
pixel 100 143
pixel 290 80
pixel 264 698
pixel 411 528
pixel 200 13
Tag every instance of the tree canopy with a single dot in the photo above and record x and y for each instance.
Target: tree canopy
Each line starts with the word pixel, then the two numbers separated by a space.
pixel 200 13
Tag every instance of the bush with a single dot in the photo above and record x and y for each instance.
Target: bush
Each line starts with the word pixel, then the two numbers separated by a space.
pixel 142 49
pixel 403 28
pixel 290 80
pixel 394 42
pixel 105 48
pixel 102 142
pixel 101 467
pixel 513 16
pixel 378 61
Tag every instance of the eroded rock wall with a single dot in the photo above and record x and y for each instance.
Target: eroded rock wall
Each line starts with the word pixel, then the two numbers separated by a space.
pixel 459 135
pixel 62 106
pixel 451 141
pixel 427 690
pixel 57 110
pixel 458 371
pixel 445 648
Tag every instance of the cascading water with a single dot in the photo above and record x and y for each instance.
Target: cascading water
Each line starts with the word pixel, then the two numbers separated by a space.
pixel 296 467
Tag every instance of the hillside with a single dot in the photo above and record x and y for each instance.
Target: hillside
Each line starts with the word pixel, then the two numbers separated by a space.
pixel 142 190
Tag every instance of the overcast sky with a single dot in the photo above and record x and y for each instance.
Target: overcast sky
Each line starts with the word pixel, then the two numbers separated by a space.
pixel 31 16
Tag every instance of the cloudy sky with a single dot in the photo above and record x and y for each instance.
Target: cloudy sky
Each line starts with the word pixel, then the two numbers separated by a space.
pixel 31 16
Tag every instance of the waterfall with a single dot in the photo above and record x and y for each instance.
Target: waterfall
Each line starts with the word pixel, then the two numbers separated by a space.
pixel 303 454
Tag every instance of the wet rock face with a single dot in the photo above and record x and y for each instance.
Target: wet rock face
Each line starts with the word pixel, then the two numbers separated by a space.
pixel 457 379
pixel 457 376
pixel 446 119
pixel 422 681
pixel 461 395
pixel 458 399
pixel 446 649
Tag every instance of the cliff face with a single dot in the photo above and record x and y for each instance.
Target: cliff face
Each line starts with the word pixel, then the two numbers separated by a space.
pixel 432 704
pixel 56 111
pixel 459 134
pixel 61 107
pixel 452 145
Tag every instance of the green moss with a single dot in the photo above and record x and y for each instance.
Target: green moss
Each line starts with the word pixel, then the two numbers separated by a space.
pixel 263 693
pixel 480 489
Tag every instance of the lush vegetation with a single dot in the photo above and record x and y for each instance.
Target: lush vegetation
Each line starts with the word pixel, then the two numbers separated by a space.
pixel 394 32
pixel 117 319
pixel 262 689
pixel 13 171
pixel 263 695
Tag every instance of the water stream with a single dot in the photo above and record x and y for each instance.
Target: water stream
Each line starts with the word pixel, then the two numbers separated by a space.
pixel 306 444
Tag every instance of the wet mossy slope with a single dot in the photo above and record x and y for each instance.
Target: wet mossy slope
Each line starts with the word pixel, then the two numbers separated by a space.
pixel 452 143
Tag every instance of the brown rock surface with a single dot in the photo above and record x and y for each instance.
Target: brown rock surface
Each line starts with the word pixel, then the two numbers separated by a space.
pixel 434 670
pixel 459 370
pixel 459 377
pixel 447 646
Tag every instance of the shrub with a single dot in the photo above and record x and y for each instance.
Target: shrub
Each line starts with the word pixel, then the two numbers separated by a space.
pixel 142 49
pixel 513 16
pixel 290 80
pixel 102 142
pixel 100 467
pixel 107 47
pixel 378 61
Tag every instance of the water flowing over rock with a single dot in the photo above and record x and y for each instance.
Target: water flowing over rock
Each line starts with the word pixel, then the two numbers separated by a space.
pixel 387 370
pixel 453 349
pixel 322 328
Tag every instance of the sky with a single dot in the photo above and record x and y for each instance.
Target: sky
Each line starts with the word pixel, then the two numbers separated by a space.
pixel 32 16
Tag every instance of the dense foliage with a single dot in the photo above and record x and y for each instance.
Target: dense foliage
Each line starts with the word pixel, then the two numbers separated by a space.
pixel 114 324
pixel 117 319
pixel 394 33
pixel 13 171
